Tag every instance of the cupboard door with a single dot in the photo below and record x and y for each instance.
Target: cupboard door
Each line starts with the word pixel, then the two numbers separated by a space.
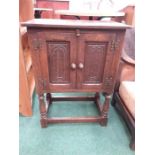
pixel 58 57
pixel 95 58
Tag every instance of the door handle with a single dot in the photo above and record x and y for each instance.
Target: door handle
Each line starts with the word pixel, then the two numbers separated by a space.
pixel 73 66
pixel 81 66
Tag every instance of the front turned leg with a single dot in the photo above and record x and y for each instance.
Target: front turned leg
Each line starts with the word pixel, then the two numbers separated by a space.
pixel 105 109
pixel 43 113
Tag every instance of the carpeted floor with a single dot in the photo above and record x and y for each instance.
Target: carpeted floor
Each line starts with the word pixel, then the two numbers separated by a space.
pixel 72 138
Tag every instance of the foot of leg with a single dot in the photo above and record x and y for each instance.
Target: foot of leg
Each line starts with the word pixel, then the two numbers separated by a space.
pixel 43 123
pixel 104 122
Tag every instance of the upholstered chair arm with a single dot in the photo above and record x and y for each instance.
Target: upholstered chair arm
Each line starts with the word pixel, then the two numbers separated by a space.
pixel 126 59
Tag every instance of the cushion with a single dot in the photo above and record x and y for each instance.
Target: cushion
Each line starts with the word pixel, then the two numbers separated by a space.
pixel 127 94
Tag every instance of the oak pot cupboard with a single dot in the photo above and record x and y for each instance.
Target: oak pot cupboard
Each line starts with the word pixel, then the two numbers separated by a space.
pixel 75 56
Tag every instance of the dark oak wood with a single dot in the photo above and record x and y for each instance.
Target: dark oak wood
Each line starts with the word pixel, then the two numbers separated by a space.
pixel 75 56
pixel 75 119
pixel 62 23
pixel 43 111
pixel 75 98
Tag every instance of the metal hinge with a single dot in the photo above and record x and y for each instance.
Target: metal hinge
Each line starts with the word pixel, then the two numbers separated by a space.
pixel 36 44
pixel 77 32
pixel 114 45
pixel 108 81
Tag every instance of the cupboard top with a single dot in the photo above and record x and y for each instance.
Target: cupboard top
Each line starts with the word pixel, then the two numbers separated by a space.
pixel 61 23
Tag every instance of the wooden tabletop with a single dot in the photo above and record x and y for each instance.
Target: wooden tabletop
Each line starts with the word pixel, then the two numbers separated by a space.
pixel 94 13
pixel 63 23
pixel 42 9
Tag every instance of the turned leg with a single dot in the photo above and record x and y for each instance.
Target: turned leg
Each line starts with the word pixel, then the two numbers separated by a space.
pixel 105 109
pixel 43 113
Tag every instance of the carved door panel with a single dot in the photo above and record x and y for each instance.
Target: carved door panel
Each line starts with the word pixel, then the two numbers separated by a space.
pixel 93 54
pixel 58 52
